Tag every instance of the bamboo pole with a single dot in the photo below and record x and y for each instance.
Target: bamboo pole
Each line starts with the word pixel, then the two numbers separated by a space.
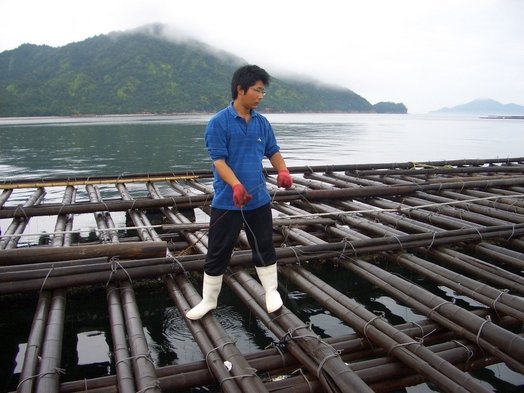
pixel 353 349
pixel 34 344
pixel 412 353
pixel 122 357
pixel 246 378
pixel 18 224
pixel 145 376
pixel 497 341
pixel 49 369
pixel 93 181
pixel 327 360
pixel 102 218
pixel 482 293
pixel 61 220
pixel 242 285
pixel 478 268
pixel 213 360
pixel 131 250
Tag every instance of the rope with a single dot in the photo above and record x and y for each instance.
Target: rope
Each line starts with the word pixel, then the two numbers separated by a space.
pixel 54 370
pixel 114 268
pixel 381 315
pixel 488 319
pixel 494 303
pixel 468 351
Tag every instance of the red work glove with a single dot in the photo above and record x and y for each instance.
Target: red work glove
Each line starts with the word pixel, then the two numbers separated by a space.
pixel 240 196
pixel 284 179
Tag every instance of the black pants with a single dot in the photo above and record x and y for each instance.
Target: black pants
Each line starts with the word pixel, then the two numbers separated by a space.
pixel 224 228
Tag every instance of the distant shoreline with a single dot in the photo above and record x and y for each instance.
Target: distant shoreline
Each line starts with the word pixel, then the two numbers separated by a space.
pixel 502 117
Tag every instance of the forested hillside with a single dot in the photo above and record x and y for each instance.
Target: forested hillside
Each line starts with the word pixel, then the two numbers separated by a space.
pixel 141 72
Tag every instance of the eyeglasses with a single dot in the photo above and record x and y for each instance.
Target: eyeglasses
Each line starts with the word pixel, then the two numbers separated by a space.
pixel 263 92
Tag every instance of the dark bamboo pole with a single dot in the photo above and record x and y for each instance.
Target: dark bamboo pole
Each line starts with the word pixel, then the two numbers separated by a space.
pixel 328 361
pixel 131 250
pixel 103 219
pixel 501 254
pixel 61 220
pixel 478 268
pixel 482 293
pixel 213 360
pixel 49 369
pixel 18 224
pixel 122 357
pixel 496 340
pixel 34 343
pixel 136 215
pixel 412 353
pixel 246 377
pixel 4 196
pixel 241 283
pixel 145 376
pixel 353 349
pixel 195 239
pixel 50 265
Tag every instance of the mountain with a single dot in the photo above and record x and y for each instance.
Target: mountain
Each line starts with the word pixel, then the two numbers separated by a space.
pixel 144 71
pixel 484 107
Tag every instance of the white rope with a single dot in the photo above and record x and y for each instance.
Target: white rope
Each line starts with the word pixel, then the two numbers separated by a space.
pixel 400 209
pixel 336 213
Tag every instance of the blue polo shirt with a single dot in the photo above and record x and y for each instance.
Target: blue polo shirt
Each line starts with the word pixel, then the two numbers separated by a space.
pixel 243 147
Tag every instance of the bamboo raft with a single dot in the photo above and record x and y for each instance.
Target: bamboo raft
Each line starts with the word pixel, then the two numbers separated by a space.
pixel 457 223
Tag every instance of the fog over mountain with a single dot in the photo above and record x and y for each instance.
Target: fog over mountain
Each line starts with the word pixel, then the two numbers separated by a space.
pixel 483 106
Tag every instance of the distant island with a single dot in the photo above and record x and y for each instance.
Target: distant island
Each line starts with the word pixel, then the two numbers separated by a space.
pixel 143 71
pixel 487 108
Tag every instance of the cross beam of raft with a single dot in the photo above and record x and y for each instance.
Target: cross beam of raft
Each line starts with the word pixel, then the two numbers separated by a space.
pixel 281 196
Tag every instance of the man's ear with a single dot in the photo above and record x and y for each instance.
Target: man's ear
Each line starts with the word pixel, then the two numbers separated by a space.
pixel 240 91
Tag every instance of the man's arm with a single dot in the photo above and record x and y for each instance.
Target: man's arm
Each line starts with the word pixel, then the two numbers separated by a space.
pixel 225 172
pixel 278 161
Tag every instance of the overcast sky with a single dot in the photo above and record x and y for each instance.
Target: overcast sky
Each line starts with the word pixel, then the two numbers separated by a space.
pixel 427 54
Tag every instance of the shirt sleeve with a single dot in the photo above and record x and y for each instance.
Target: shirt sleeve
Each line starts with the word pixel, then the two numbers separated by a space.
pixel 216 138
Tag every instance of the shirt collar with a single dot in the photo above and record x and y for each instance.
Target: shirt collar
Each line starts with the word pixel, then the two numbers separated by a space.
pixel 235 114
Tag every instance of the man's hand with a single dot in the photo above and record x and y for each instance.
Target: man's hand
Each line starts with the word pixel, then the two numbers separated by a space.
pixel 284 179
pixel 240 196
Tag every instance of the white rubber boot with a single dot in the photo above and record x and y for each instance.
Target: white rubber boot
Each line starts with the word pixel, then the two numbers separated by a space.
pixel 269 280
pixel 210 291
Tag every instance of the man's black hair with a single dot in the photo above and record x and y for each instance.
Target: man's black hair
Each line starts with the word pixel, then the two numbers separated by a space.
pixel 246 77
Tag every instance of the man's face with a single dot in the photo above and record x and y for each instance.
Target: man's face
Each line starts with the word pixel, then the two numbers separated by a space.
pixel 252 97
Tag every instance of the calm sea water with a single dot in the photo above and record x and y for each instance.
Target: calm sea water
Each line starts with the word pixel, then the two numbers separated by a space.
pixel 114 145
pixel 69 147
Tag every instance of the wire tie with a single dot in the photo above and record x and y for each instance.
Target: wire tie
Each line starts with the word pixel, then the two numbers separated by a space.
pixel 468 351
pixel 439 305
pixel 321 365
pixel 488 319
pixel 401 345
pixel 380 315
pixel 45 279
pixel 512 232
pixel 54 370
pixel 432 241
pixel 216 348
pixel 494 305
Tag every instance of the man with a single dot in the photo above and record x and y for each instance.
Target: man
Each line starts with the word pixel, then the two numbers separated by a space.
pixel 237 139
